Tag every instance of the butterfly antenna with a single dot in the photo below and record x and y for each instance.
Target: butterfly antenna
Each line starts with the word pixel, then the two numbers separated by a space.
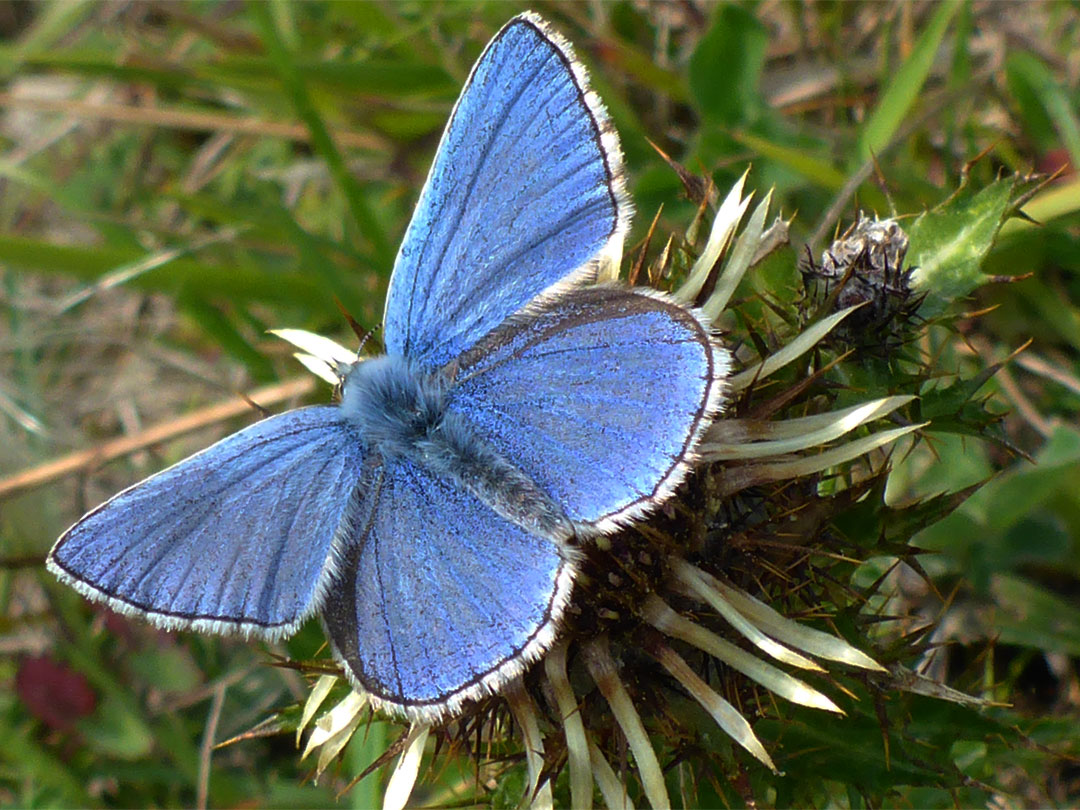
pixel 370 333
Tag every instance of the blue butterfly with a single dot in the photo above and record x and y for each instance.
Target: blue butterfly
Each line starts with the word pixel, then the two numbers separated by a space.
pixel 431 518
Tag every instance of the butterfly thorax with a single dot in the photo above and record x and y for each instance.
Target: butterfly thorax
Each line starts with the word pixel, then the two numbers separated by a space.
pixel 394 403
pixel 401 412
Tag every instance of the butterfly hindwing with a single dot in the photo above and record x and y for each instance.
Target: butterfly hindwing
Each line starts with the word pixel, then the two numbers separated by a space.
pixel 235 538
pixel 599 396
pixel 436 598
pixel 525 189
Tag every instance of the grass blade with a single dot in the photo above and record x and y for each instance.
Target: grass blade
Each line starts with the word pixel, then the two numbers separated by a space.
pixel 900 96
pixel 294 85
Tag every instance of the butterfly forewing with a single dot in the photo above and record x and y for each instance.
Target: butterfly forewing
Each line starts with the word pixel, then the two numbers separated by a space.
pixel 525 189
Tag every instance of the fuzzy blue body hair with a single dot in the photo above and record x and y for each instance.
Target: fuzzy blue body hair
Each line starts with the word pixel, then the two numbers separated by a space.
pixel 400 411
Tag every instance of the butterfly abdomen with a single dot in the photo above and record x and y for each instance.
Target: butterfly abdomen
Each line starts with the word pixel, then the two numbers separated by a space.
pixel 400 410
pixel 459 453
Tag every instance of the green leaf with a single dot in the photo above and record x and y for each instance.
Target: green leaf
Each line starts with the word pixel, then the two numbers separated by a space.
pixel 90 263
pixel 1003 501
pixel 1061 199
pixel 818 171
pixel 1054 314
pixel 92 63
pixel 1028 615
pixel 641 65
pixel 363 749
pixel 285 23
pixel 116 731
pixel 948 244
pixel 167 668
pixel 223 333
pixel 38 768
pixel 393 79
pixel 903 91
pixel 1031 81
pixel 726 66
pixel 978 528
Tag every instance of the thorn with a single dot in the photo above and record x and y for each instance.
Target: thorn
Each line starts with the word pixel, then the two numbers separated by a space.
pixel 635 270
pixel 362 334
pixel 263 412
pixel 698 190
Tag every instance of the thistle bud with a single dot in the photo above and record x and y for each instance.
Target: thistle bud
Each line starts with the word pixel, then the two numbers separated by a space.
pixel 865 266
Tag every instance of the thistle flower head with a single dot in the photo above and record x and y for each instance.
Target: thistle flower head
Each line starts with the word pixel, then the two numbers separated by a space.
pixel 670 624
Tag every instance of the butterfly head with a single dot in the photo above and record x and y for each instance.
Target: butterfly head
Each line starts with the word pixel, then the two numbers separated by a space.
pixel 394 404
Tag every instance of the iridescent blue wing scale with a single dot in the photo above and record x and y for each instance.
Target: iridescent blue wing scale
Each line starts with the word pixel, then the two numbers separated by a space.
pixel 525 193
pixel 236 538
pixel 438 599
pixel 599 396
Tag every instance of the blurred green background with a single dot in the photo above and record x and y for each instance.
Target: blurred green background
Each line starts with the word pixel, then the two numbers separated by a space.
pixel 175 179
